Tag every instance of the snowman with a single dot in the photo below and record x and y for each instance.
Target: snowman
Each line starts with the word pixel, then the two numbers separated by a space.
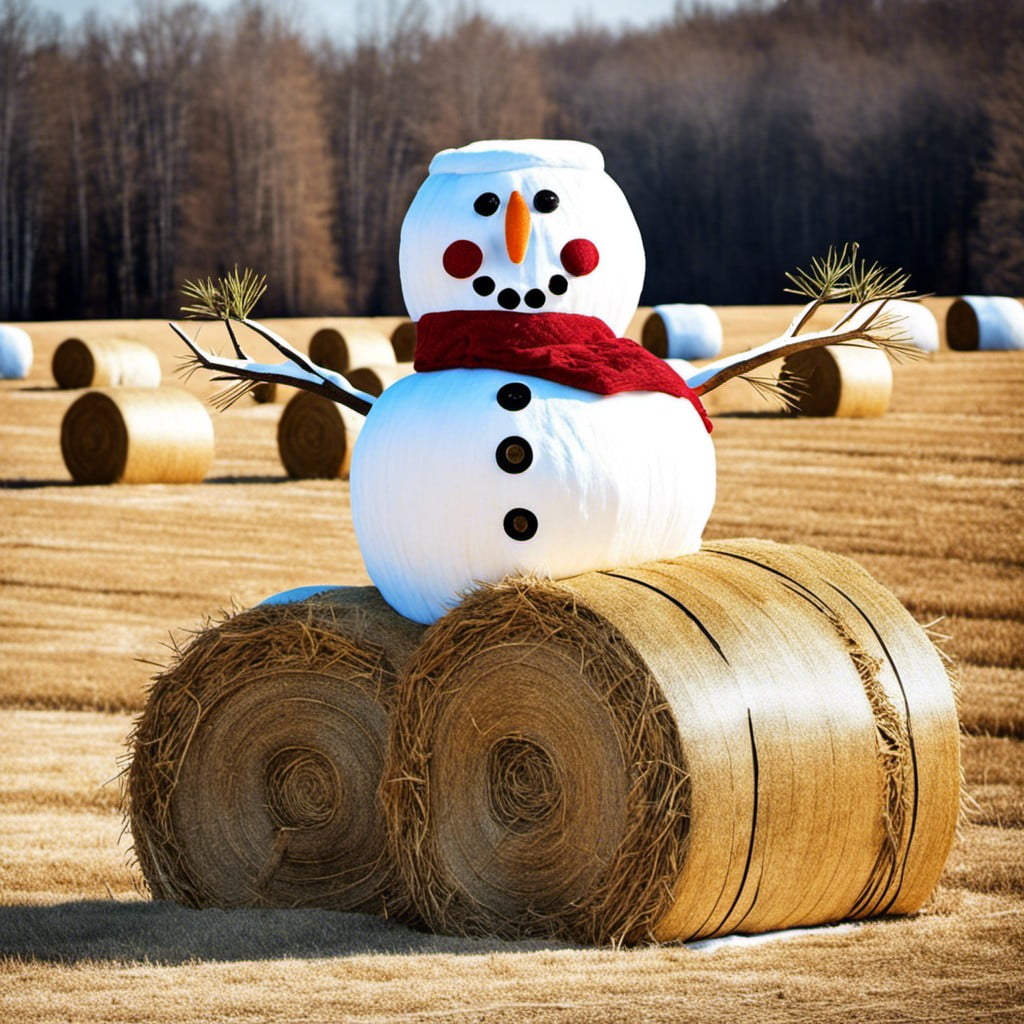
pixel 532 440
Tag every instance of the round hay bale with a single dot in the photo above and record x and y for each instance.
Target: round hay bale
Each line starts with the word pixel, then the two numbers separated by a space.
pixel 374 379
pixel 264 392
pixel 986 323
pixel 15 352
pixel 754 737
pixel 683 331
pixel 98 362
pixel 635 327
pixel 403 340
pixel 137 436
pixel 315 437
pixel 347 343
pixel 838 380
pixel 917 324
pixel 256 760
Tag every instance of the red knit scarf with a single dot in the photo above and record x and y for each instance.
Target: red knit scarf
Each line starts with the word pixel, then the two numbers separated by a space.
pixel 567 348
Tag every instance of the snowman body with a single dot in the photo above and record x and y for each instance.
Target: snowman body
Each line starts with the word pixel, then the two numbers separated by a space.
pixel 465 475
pixel 462 476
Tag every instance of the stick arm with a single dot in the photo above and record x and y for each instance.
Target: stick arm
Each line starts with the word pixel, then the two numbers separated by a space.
pixel 863 325
pixel 296 370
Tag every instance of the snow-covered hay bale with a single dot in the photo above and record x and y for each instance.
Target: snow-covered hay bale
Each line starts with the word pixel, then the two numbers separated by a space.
pixel 374 379
pixel 917 323
pixel 256 760
pixel 315 437
pixel 985 322
pixel 158 435
pixel 403 340
pixel 754 737
pixel 15 352
pixel 344 344
pixel 105 362
pixel 683 331
pixel 838 380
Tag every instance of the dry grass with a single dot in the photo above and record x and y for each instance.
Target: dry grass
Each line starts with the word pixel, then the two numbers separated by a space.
pixel 927 498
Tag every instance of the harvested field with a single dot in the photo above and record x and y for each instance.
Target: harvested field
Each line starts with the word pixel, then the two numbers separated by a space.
pixel 96 580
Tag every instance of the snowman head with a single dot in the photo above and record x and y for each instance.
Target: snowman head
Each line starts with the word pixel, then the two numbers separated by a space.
pixel 532 225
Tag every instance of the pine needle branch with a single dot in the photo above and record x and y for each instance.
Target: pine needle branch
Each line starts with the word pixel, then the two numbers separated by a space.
pixel 231 299
pixel 840 275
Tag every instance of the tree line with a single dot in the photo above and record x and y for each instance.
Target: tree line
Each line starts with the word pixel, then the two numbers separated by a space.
pixel 135 156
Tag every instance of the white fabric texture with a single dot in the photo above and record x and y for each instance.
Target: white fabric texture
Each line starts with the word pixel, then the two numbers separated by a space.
pixel 613 481
pixel 15 353
pixel 590 206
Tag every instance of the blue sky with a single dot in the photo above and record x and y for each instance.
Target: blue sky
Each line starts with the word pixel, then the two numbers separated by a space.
pixel 337 18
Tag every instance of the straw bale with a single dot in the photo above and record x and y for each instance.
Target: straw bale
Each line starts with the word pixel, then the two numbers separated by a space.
pixel 683 331
pixel 347 342
pixel 917 323
pixel 403 340
pixel 985 322
pixel 838 380
pixel 160 435
pixel 315 437
pixel 635 327
pixel 754 737
pixel 255 763
pixel 105 362
pixel 15 352
pixel 374 379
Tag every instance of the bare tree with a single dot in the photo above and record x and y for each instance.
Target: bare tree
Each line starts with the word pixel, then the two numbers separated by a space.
pixel 998 245
pixel 263 173
pixel 26 113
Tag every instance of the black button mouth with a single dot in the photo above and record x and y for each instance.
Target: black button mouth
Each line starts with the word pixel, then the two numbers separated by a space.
pixel 514 455
pixel 520 523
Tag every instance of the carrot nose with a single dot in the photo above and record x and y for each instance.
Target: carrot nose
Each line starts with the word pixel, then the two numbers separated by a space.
pixel 517 227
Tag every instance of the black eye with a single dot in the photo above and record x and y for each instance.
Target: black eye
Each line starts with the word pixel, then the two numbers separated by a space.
pixel 487 204
pixel 545 201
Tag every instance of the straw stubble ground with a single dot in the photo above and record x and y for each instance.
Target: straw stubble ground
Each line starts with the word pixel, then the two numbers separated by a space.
pixel 96 579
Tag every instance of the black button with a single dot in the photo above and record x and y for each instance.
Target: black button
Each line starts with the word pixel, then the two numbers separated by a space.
pixel 508 298
pixel 483 285
pixel 545 201
pixel 487 204
pixel 514 396
pixel 534 298
pixel 514 455
pixel 520 523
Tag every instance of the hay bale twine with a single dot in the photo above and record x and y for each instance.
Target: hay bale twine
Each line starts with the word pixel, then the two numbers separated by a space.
pixel 256 760
pixel 986 323
pixel 838 380
pixel 15 352
pixel 403 340
pixel 753 737
pixel 315 437
pixel 105 362
pixel 374 379
pixel 683 331
pixel 137 436
pixel 349 342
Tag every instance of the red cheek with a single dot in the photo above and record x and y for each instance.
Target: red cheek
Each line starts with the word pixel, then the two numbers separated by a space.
pixel 462 258
pixel 579 257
